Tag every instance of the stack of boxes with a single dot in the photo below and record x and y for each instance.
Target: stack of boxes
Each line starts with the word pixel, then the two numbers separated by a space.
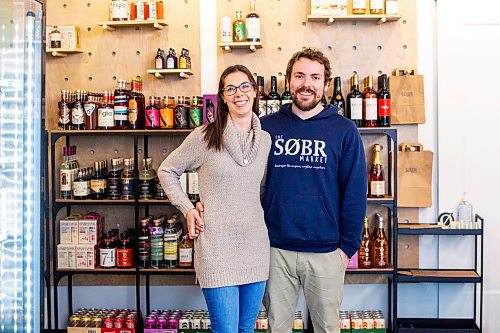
pixel 79 238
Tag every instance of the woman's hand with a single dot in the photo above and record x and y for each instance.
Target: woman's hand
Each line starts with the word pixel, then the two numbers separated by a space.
pixel 194 223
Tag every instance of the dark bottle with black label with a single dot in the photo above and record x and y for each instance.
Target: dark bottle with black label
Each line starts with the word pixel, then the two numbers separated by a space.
pixel 355 102
pixel 99 182
pixel 144 244
pixel 338 98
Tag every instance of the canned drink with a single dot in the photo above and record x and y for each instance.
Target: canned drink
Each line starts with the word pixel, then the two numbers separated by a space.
pixel 368 323
pixel 130 322
pixel 196 322
pixel 356 323
pixel 96 321
pixel 86 321
pixel 162 322
pixel 173 322
pixel 74 321
pixel 108 322
pixel 345 323
pixel 119 322
pixel 150 323
pixel 379 322
pixel 184 323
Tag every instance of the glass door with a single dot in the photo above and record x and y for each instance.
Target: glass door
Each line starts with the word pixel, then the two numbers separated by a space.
pixel 20 135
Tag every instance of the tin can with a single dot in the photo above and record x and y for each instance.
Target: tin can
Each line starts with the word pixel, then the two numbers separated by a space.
pixel 130 322
pixel 205 323
pixel 85 321
pixel 96 321
pixel 379 322
pixel 108 322
pixel 181 113
pixel 119 322
pixel 74 321
pixel 173 322
pixel 356 323
pixel 345 323
pixel 161 322
pixel 150 323
pixel 368 323
pixel 196 322
pixel 298 323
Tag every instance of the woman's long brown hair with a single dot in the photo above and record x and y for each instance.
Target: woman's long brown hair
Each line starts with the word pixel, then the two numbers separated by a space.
pixel 214 132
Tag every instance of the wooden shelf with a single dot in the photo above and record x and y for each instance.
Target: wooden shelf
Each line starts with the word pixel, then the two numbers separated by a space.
pixel 439 275
pixel 99 270
pixel 373 271
pixel 62 52
pixel 380 19
pixel 112 25
pixel 252 46
pixel 166 271
pixel 160 73
pixel 437 325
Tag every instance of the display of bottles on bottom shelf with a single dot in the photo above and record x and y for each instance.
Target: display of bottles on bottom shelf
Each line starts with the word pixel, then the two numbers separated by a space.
pixel 362 320
pixel 198 321
pixel 109 321
pixel 374 250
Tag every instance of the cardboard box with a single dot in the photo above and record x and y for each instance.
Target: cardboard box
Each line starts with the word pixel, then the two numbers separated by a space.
pixel 329 7
pixel 70 36
pixel 66 256
pixel 68 231
pixel 90 229
pixel 119 330
pixel 86 256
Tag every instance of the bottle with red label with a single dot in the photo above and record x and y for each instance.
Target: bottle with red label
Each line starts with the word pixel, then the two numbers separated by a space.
pixel 136 105
pixel 152 114
pixel 383 103
pixel 124 253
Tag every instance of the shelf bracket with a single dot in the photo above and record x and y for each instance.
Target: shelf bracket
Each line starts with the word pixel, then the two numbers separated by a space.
pixel 382 20
pixel 107 27
pixel 227 48
pixel 184 75
pixel 253 48
pixel 159 75
pixel 58 54
pixel 158 26
pixel 330 20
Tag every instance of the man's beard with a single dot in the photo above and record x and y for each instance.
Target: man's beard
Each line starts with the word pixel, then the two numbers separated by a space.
pixel 306 106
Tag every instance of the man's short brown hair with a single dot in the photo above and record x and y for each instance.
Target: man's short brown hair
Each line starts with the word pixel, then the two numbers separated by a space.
pixel 311 54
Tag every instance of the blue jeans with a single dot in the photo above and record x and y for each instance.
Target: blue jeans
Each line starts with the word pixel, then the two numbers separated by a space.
pixel 234 308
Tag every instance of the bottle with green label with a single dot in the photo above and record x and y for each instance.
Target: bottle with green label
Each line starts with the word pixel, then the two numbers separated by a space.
pixel 239 28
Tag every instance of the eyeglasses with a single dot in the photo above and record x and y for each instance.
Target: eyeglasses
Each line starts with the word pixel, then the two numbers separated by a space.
pixel 244 88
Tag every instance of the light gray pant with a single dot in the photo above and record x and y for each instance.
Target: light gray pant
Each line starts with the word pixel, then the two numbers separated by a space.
pixel 322 277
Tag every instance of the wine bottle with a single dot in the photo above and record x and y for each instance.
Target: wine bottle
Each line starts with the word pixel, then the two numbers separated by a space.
pixel 376 183
pixel 337 98
pixel 273 99
pixel 355 102
pixel 369 104
pixel 383 103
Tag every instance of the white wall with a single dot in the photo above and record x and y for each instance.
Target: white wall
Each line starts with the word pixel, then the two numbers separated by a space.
pixel 468 112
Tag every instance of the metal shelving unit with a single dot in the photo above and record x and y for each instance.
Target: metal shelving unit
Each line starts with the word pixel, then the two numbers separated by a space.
pixel 55 204
pixel 450 276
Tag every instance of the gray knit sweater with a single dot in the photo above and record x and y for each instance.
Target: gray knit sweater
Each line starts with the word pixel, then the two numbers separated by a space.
pixel 234 247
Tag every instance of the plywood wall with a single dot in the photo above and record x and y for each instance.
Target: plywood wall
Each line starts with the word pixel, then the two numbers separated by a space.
pixel 362 47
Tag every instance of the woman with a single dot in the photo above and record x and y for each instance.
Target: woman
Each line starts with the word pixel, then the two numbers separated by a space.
pixel 232 245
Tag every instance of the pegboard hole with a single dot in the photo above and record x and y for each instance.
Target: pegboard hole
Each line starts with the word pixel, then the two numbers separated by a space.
pixel 116 151
pixel 164 151
pixel 138 52
pixel 279 48
pixel 65 5
pixel 354 72
pixel 379 47
pixel 186 1
pixel 66 79
pixel 407 246
pixel 255 74
pixel 405 46
pixel 404 21
pixel 90 54
pixel 90 78
pixel 354 47
pixel 137 28
pixel 303 48
pixel 91 152
pixel 186 26
pixel 89 29
pixel 304 24
pixel 114 78
pixel 113 53
pixel 354 22
pixel 279 24
pixel 139 151
pixel 280 74
pixel 88 4
pixel 380 72
pixel 330 48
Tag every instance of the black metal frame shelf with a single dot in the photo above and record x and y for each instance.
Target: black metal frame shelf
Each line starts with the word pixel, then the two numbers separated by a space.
pixel 457 276
pixel 437 325
pixel 56 204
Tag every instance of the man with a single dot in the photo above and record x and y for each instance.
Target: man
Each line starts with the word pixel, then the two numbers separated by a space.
pixel 314 200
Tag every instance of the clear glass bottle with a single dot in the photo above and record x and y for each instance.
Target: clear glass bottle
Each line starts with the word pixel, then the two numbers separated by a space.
pixel 380 245
pixel 55 38
pixel 464 213
pixel 114 180
pixel 128 179
pixel 157 244
pixel 365 259
pixel 65 176
pixel 193 189
pixel 146 179
pixel 144 244
pixel 170 243
pixel 252 24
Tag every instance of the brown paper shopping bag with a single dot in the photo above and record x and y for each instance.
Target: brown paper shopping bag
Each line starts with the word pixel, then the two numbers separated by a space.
pixel 414 176
pixel 407 94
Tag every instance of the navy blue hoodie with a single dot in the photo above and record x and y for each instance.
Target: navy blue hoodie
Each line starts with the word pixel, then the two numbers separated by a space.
pixel 315 195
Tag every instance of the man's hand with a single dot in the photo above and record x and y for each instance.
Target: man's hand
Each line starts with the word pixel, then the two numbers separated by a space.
pixel 194 223
pixel 344 258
